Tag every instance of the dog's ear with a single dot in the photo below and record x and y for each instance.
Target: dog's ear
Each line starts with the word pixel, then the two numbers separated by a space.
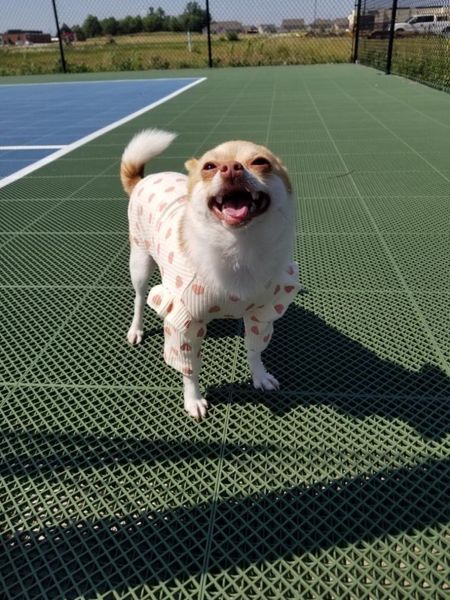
pixel 191 164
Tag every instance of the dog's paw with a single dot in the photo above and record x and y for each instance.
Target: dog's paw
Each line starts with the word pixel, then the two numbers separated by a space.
pixel 196 408
pixel 265 381
pixel 135 336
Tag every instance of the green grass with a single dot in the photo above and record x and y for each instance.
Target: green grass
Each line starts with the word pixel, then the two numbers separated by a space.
pixel 424 58
pixel 159 51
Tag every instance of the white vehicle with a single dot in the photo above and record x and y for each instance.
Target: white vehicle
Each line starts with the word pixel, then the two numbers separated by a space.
pixel 437 24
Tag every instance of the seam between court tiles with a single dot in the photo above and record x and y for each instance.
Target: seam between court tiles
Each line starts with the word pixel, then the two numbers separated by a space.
pixel 58 203
pixel 332 174
pixel 67 319
pixel 307 393
pixel 95 510
pixel 391 131
pixel 123 288
pixel 424 323
pixel 116 232
pixel 410 106
pixel 315 197
pixel 270 118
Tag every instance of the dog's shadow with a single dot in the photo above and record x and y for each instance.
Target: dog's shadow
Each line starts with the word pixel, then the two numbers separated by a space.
pixel 316 363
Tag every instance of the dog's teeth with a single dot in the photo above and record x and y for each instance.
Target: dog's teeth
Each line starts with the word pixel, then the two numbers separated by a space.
pixel 255 195
pixel 219 199
pixel 252 207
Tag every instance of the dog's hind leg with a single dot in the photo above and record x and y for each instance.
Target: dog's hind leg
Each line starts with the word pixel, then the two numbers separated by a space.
pixel 142 266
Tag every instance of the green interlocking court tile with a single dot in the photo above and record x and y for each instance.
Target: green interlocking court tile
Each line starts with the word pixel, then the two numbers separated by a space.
pixel 85 215
pixel 337 487
pixel 334 215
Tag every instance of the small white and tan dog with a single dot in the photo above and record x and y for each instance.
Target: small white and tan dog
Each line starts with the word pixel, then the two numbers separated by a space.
pixel 222 238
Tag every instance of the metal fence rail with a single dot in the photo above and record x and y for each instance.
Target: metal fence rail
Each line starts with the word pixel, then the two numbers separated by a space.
pixel 115 36
pixel 410 38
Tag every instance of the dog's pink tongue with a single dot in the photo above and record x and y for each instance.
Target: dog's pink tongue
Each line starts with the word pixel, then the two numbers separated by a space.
pixel 235 214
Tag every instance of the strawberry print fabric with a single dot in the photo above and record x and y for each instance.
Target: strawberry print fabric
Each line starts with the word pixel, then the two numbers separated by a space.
pixel 182 299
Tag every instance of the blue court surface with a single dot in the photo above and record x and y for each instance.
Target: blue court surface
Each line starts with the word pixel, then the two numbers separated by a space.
pixel 37 120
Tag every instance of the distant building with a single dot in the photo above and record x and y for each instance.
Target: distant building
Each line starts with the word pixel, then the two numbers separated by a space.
pixel 322 25
pixel 68 36
pixel 340 25
pixel 267 28
pixel 292 24
pixel 226 27
pixel 21 37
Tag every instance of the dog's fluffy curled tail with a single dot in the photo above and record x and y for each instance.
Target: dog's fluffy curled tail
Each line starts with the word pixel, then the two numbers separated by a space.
pixel 145 145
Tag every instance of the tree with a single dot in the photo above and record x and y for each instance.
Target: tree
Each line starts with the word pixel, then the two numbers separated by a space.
pixel 91 26
pixel 110 26
pixel 131 24
pixel 156 20
pixel 194 18
pixel 176 24
pixel 78 31
pixel 65 28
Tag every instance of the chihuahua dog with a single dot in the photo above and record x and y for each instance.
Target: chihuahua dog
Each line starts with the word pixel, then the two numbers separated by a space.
pixel 222 237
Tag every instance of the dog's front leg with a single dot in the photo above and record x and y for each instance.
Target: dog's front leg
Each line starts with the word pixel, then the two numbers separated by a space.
pixel 194 403
pixel 182 352
pixel 257 338
pixel 262 380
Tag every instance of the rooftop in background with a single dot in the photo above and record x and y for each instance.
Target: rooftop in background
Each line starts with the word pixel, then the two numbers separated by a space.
pixel 20 37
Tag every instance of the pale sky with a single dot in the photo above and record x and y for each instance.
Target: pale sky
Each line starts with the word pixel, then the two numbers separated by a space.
pixel 38 14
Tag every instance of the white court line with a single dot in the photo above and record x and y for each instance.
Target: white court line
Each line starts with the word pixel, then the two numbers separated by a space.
pixel 32 147
pixel 95 134
pixel 2 85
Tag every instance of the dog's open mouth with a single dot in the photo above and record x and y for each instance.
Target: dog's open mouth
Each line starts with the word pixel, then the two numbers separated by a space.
pixel 239 207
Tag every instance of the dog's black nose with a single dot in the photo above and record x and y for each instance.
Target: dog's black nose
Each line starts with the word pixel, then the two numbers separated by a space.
pixel 231 169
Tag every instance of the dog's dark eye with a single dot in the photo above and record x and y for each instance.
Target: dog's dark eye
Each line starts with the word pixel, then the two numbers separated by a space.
pixel 260 161
pixel 209 166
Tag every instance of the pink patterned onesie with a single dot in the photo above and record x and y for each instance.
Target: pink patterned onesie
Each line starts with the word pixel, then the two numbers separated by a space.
pixel 182 299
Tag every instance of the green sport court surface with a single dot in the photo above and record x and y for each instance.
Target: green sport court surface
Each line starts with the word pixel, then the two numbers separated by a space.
pixel 336 487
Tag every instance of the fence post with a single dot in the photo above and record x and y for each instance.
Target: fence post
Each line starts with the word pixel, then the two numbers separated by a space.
pixel 58 32
pixel 356 32
pixel 208 29
pixel 391 37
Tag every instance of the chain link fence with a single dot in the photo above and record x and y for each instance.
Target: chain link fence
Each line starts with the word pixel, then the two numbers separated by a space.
pixel 407 37
pixel 131 35
pixel 410 38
